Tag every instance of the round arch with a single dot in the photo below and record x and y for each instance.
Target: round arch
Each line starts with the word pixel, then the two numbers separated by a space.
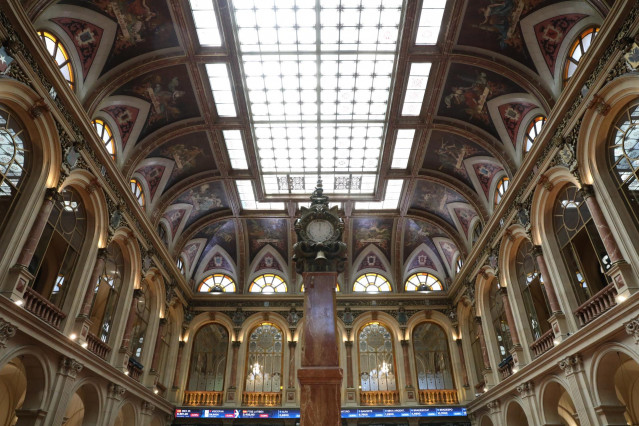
pixel 515 414
pixel 84 406
pixel 127 415
pixel 557 406
pixel 38 375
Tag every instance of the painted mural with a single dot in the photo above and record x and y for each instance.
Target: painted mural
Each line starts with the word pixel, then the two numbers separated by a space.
pixel 262 232
pixel 125 117
pixel 152 174
pixel 371 261
pixel 485 173
pixel 268 261
pixel 422 260
pixel 222 234
pixel 369 230
pixel 217 261
pixel 495 25
pixel 465 217
pixel 191 154
pixel 551 34
pixel 467 92
pixel 143 26
pixel 447 153
pixel 449 249
pixel 190 251
pixel 86 39
pixel 512 115
pixel 417 232
pixel 170 94
pixel 434 198
pixel 205 198
pixel 174 217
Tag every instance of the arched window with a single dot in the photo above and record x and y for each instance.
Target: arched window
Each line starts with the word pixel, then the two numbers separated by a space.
pixel 14 158
pixel 475 345
pixel 54 260
pixel 217 283
pixel 268 283
pixel 458 264
pixel 371 283
pixel 163 234
pixel 500 323
pixel 59 55
pixel 376 359
pixel 624 156
pixel 208 359
pixel 180 266
pixel 422 281
pixel 264 361
pixel 532 290
pixel 105 133
pixel 136 188
pixel 582 249
pixel 534 128
pixel 142 316
pixel 107 294
pixel 476 232
pixel 577 50
pixel 432 360
pixel 502 187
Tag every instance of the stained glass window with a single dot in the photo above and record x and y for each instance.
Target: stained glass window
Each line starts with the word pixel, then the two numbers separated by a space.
pixel 371 283
pixel 136 188
pixel 268 283
pixel 458 264
pixel 14 157
pixel 422 281
pixel 502 187
pixel 432 360
pixel 105 133
pixel 264 359
pixel 59 54
pixel 577 51
pixel 533 130
pixel 208 359
pixel 217 283
pixel 376 359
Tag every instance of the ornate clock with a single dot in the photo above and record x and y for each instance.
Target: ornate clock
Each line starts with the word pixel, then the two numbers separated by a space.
pixel 319 232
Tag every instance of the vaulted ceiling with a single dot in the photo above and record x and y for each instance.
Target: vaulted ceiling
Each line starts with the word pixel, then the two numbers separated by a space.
pixel 141 67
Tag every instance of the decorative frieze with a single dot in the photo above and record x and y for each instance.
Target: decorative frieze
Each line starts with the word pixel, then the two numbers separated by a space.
pixel 7 331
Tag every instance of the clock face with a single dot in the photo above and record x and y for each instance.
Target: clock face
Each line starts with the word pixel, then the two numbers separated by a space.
pixel 319 230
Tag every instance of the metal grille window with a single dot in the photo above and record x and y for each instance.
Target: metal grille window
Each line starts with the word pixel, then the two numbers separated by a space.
pixel 532 290
pixel 107 293
pixel 422 281
pixel 533 130
pixel 105 133
pixel 14 161
pixel 60 55
pixel 578 50
pixel 217 283
pixel 583 251
pixel 208 359
pixel 432 360
pixel 372 283
pixel 138 193
pixel 264 359
pixel 268 283
pixel 376 359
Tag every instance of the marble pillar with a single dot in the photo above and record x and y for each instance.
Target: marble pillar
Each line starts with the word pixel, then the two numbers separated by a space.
pixel 351 393
pixel 320 376
pixel 410 394
pixel 125 346
pixel 557 318
pixel 157 351
pixel 83 321
pixel 462 360
pixel 516 351
pixel 231 392
pixel 290 389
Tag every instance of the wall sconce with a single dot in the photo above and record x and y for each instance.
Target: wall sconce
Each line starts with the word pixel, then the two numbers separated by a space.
pixel 19 302
pixel 73 336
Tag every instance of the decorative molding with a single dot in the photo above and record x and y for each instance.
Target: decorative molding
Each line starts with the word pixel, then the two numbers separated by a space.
pixel 632 328
pixel 493 406
pixel 69 367
pixel 147 408
pixel 116 391
pixel 571 364
pixel 7 331
pixel 526 389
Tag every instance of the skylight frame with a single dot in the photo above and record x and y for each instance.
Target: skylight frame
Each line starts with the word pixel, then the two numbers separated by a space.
pixel 234 143
pixel 427 34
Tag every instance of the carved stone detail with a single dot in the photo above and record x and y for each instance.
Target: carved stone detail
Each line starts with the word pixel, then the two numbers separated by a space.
pixel 632 328
pixel 116 391
pixel 571 364
pixel 69 367
pixel 493 406
pixel 526 389
pixel 147 408
pixel 7 331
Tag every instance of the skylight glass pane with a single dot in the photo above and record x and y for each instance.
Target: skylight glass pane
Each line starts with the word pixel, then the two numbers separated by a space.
pixel 390 201
pixel 403 146
pixel 247 197
pixel 416 88
pixel 221 87
pixel 318 97
pixel 430 21
pixel 205 20
pixel 235 149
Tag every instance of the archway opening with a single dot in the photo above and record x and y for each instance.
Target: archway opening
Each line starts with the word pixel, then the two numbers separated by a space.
pixel 515 415
pixel 618 387
pixel 558 407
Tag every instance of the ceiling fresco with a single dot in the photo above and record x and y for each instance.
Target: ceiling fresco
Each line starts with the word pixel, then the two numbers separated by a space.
pixel 144 71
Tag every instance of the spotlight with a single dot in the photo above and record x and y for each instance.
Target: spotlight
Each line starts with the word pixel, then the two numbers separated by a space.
pixel 73 336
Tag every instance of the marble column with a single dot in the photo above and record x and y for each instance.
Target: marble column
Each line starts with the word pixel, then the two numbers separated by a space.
pixel 128 330
pixel 83 320
pixel 557 318
pixel 178 363
pixel 157 351
pixel 620 272
pixel 410 390
pixel 290 389
pixel 231 392
pixel 351 393
pixel 516 351
pixel 19 275
pixel 462 360
pixel 320 376
pixel 482 343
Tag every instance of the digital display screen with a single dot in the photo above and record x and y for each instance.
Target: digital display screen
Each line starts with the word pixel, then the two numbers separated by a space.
pixel 349 413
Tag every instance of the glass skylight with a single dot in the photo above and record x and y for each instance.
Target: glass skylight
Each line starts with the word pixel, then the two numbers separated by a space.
pixel 205 20
pixel 235 148
pixel 415 88
pixel 221 87
pixel 247 197
pixel 430 21
pixel 318 95
pixel 390 201
pixel 403 146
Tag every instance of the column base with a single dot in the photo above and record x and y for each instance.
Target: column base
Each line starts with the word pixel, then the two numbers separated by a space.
pixel 320 402
pixel 122 360
pixel 611 415
pixel 350 397
pixel 517 351
pixel 231 396
pixel 31 417
pixel 624 279
pixel 559 327
pixel 81 328
pixel 290 397
pixel 17 283
pixel 410 396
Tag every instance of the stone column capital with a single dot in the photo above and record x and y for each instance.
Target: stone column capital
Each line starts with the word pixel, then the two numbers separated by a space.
pixel 137 293
pixel 404 343
pixel 7 331
pixel 537 251
pixel 526 389
pixel 116 391
pixel 236 343
pixel 587 191
pixel 69 367
pixel 292 344
pixel 571 364
pixel 348 344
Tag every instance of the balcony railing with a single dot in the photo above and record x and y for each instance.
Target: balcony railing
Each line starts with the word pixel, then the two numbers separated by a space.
pixel 97 346
pixel 597 305
pixel 543 344
pixel 438 396
pixel 261 399
pixel 506 367
pixel 135 369
pixel 39 306
pixel 379 397
pixel 207 398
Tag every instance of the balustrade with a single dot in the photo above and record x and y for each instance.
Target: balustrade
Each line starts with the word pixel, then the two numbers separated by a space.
pixel 597 305
pixel 506 367
pixel 97 346
pixel 543 344
pixel 438 396
pixel 207 398
pixel 379 397
pixel 261 399
pixel 39 306
pixel 135 369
